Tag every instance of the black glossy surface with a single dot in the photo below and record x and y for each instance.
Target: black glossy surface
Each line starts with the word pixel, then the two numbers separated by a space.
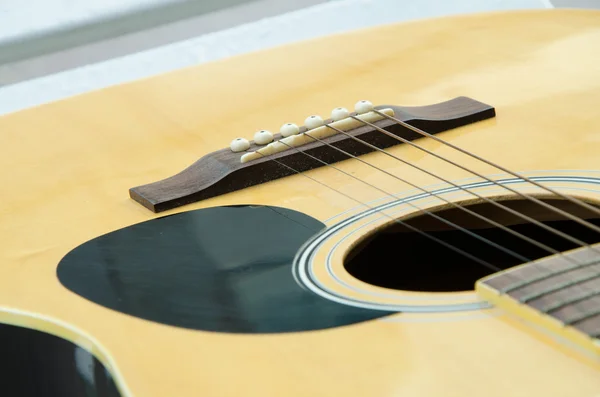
pixel 225 269
pixel 36 364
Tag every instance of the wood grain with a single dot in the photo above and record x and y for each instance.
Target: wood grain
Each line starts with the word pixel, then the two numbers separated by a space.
pixel 65 169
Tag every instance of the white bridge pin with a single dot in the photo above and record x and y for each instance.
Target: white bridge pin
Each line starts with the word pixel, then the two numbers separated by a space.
pixel 363 107
pixel 313 122
pixel 338 114
pixel 239 145
pixel 263 137
pixel 289 129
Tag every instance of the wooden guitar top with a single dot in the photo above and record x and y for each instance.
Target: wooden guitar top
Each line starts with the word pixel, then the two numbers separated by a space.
pixel 66 169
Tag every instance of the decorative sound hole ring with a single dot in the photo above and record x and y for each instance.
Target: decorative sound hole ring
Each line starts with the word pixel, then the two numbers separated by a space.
pixel 319 264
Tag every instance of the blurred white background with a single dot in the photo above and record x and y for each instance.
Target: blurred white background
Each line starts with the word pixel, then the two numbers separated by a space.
pixel 52 49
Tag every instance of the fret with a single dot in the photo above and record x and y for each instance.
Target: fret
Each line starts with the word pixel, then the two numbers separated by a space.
pixel 538 272
pixel 554 294
pixel 558 287
pixel 552 288
pixel 583 316
pixel 591 328
pixel 568 269
pixel 584 295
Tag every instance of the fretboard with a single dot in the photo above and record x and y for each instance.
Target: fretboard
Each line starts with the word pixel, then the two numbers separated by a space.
pixel 562 291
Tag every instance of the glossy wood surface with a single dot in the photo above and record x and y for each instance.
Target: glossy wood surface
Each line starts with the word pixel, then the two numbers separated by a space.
pixel 66 167
pixel 222 172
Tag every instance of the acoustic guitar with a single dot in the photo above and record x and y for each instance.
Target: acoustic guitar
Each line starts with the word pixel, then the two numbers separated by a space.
pixel 221 231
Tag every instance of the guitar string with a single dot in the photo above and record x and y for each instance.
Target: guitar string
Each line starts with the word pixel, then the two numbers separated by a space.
pixel 547 273
pixel 458 250
pixel 522 177
pixel 553 209
pixel 447 222
pixel 548 249
pixel 399 221
pixel 583 315
pixel 430 193
pixel 525 299
pixel 441 197
pixel 486 199
pixel 454 204
pixel 503 169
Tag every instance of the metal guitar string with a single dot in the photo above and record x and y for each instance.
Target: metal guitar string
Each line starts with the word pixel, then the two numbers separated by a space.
pixel 576 201
pixel 458 206
pixel 452 224
pixel 414 229
pixel 493 202
pixel 503 169
pixel 465 209
pixel 519 282
pixel 577 265
pixel 512 253
pixel 499 205
pixel 543 246
pixel 545 272
pixel 548 274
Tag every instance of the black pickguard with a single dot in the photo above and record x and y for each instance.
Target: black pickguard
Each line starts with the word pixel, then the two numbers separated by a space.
pixel 223 269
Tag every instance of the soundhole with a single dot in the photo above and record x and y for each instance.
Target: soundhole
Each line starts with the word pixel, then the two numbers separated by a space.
pixel 399 258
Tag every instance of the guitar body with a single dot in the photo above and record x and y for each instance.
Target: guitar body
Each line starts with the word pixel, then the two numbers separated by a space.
pixel 67 167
